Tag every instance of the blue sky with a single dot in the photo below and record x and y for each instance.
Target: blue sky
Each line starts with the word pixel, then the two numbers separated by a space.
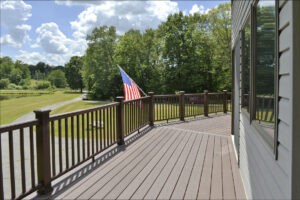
pixel 53 31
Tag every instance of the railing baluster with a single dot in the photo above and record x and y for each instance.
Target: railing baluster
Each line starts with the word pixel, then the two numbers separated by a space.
pixel 59 146
pixel 83 136
pixel 104 128
pixel 88 138
pixel 93 134
pixel 1 173
pixel 12 164
pixel 131 117
pixel 22 160
pixel 67 143
pixel 53 148
pixel 97 130
pixel 78 137
pixel 110 124
pixel 32 166
pixel 72 141
pixel 101 129
pixel 107 127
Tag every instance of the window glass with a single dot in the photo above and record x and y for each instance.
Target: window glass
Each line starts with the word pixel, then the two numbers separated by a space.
pixel 265 62
pixel 246 65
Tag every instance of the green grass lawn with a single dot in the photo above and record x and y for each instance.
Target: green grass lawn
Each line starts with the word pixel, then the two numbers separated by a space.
pixel 78 106
pixel 13 108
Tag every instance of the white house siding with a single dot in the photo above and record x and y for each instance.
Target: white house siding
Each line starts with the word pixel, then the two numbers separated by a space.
pixel 263 176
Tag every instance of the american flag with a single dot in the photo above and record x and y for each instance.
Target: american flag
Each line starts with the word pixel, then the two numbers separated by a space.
pixel 131 90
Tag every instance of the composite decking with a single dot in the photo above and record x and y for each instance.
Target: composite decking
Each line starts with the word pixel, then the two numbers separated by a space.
pixel 189 160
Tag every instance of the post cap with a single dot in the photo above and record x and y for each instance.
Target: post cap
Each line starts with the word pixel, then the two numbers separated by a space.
pixel 181 92
pixel 224 90
pixel 42 111
pixel 205 91
pixel 120 98
pixel 151 93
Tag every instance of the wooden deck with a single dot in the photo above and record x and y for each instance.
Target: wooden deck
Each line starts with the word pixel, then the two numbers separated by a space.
pixel 190 160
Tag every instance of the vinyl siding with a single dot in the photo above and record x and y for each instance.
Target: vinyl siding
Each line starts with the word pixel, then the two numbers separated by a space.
pixel 296 100
pixel 265 177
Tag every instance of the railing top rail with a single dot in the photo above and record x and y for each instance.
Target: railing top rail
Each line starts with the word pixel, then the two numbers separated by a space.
pixel 16 126
pixel 83 111
pixel 166 95
pixel 194 94
pixel 215 93
pixel 133 100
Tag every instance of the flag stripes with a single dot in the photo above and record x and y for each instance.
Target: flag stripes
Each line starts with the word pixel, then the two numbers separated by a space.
pixel 131 90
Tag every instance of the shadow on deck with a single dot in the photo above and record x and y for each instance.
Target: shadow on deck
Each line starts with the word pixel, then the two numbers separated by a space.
pixel 187 160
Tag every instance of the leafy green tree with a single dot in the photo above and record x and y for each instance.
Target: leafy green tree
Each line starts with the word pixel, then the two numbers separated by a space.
pixel 219 20
pixel 14 71
pixel 6 67
pixel 186 53
pixel 73 72
pixel 57 78
pixel 100 72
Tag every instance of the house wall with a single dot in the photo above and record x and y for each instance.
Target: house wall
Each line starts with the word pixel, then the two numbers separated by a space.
pixel 265 177
pixel 296 100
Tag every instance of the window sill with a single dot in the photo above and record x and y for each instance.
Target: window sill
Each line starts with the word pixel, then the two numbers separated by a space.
pixel 266 131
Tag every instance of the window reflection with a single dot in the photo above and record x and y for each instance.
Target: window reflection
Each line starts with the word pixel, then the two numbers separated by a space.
pixel 246 65
pixel 265 61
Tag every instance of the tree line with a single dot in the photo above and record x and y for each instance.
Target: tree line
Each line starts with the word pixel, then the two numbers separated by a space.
pixel 186 52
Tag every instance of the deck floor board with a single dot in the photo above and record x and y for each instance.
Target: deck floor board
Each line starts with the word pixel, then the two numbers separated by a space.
pixel 191 160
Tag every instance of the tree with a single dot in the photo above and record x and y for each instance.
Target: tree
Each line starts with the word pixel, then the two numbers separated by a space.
pixel 6 67
pixel 219 20
pixel 73 72
pixel 17 72
pixel 57 78
pixel 186 53
pixel 100 72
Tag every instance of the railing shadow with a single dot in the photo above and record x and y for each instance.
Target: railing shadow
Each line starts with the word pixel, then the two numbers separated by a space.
pixel 78 174
pixel 190 119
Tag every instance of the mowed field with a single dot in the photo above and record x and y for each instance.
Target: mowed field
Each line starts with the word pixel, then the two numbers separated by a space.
pixel 12 108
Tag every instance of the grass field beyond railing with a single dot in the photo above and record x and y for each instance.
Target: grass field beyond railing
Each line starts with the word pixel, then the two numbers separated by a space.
pixel 14 108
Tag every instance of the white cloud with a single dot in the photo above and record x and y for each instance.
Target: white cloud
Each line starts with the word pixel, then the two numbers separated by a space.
pixel 39 56
pixel 14 15
pixel 51 39
pixel 198 9
pixel 57 48
pixel 124 15
pixel 78 2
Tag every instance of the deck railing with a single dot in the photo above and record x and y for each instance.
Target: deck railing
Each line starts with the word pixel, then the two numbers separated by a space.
pixel 57 144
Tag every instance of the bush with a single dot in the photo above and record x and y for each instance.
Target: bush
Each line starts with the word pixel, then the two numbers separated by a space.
pixel 4 83
pixel 12 86
pixel 42 85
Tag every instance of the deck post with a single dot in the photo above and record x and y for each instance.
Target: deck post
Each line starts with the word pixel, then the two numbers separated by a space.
pixel 181 106
pixel 151 109
pixel 225 101
pixel 120 121
pixel 206 103
pixel 43 152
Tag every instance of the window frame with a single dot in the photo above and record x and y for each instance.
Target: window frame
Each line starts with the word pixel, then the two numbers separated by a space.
pixel 246 109
pixel 271 141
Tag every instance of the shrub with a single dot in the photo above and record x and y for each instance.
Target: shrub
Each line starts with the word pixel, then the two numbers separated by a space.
pixel 12 86
pixel 42 85
pixel 4 83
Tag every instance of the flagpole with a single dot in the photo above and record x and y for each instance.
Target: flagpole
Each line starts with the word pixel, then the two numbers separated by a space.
pixel 135 83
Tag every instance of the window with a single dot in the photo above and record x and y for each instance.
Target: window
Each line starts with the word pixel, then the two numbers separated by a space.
pixel 246 35
pixel 264 67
